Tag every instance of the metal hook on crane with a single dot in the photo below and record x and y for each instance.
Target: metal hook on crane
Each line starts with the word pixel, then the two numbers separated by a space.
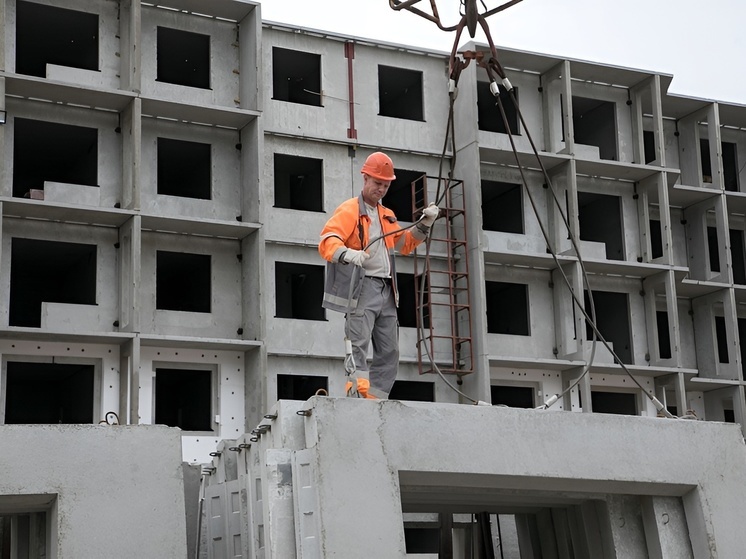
pixel 470 18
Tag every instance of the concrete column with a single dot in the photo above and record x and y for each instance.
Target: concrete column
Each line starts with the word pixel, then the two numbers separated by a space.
pixel 250 59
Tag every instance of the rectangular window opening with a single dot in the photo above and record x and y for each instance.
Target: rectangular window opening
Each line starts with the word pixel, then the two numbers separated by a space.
pixel 721 339
pixel 622 403
pixel 409 300
pixel 296 76
pixel 400 198
pixel 184 398
pixel 24 533
pixel 49 393
pixel 664 337
pixel 300 387
pixel 713 249
pixel 729 416
pixel 600 217
pixel 502 207
pixel 648 140
pixel 730 166
pixel 422 541
pixel 184 169
pixel 400 93
pixel 612 320
pixel 299 290
pixel 183 282
pixel 512 396
pixel 183 58
pixel 413 391
pixel 656 239
pixel 51 35
pixel 49 271
pixel 738 255
pixel 49 151
pixel 594 123
pixel 507 308
pixel 489 117
pixel 299 183
pixel 705 161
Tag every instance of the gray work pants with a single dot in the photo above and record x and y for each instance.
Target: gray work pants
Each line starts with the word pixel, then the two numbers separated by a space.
pixel 375 320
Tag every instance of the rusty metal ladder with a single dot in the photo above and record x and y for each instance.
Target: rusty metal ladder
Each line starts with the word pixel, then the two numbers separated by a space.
pixel 443 311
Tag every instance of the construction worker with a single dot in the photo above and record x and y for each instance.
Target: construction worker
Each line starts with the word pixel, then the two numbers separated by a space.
pixel 363 233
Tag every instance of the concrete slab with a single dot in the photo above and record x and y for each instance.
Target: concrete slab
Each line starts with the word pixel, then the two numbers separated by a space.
pixel 369 460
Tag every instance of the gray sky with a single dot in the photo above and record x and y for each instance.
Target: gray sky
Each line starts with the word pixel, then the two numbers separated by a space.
pixel 702 43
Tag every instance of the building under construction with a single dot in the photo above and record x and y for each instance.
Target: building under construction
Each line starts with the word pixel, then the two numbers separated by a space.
pixel 170 385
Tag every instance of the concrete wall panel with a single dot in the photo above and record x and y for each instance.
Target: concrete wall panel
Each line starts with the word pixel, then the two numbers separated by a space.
pixel 224 65
pixel 110 483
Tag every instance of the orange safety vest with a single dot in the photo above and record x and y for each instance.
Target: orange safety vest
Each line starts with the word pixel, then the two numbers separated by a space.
pixel 348 227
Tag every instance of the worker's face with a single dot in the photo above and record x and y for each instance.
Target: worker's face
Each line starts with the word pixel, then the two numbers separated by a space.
pixel 374 189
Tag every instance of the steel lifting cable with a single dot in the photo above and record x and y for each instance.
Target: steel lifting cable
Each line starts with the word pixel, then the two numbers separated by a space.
pixel 456 65
pixel 590 319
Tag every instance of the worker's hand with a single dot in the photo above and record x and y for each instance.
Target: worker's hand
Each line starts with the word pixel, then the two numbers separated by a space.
pixel 356 257
pixel 429 215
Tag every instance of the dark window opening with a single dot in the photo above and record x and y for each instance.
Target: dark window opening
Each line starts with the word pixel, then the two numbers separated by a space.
pixel 299 183
pixel 648 141
pixel 400 93
pixel 422 540
pixel 183 282
pixel 26 534
pixel 300 387
pixel 621 403
pixel 594 123
pixel 738 254
pixel 729 416
pixel 41 393
pixel 399 196
pixel 721 339
pixel 730 166
pixel 742 343
pixel 673 410
pixel 49 271
pixel 713 249
pixel 49 151
pixel 184 169
pixel 664 336
pixel 299 290
pixel 507 308
pixel 413 391
pixel 489 117
pixel 409 301
pixel 656 239
pixel 51 35
pixel 183 398
pixel 183 58
pixel 600 217
pixel 512 396
pixel 612 320
pixel 296 77
pixel 704 157
pixel 502 207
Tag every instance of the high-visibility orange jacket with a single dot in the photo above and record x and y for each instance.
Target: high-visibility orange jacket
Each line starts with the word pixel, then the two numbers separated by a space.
pixel 348 228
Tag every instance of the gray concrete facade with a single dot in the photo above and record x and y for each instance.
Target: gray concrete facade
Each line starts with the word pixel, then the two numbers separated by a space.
pixel 162 189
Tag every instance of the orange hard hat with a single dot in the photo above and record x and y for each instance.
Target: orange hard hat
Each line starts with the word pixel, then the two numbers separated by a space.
pixel 379 166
